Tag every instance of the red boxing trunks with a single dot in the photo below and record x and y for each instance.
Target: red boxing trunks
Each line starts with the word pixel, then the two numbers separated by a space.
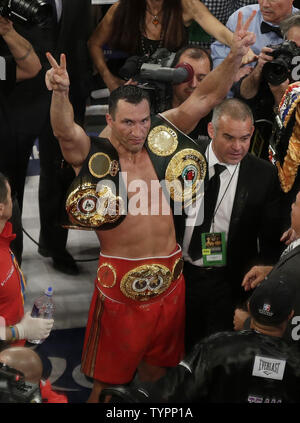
pixel 137 314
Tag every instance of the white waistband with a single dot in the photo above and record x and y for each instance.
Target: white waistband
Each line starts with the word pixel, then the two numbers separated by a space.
pixel 178 250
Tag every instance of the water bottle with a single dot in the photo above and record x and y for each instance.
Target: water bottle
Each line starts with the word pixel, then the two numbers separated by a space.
pixel 43 307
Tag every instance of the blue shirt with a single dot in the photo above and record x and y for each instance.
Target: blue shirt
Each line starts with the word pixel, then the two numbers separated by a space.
pixel 219 51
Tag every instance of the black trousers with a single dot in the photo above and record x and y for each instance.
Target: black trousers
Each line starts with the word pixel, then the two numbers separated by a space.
pixel 209 303
pixel 53 185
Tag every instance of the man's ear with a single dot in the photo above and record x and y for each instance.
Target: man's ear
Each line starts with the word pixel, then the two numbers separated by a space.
pixel 1 209
pixel 210 130
pixel 109 119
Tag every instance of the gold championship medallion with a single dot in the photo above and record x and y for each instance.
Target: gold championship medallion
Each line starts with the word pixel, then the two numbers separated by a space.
pixel 101 165
pixel 162 140
pixel 91 207
pixel 145 282
pixel 106 275
pixel 184 175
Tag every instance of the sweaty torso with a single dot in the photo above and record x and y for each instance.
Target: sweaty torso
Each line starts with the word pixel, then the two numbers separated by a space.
pixel 148 229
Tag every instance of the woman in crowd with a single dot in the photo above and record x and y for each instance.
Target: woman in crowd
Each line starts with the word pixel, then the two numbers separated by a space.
pixel 140 27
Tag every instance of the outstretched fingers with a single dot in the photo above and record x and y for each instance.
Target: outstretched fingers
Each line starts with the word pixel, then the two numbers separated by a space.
pixel 63 62
pixel 52 61
pixel 249 20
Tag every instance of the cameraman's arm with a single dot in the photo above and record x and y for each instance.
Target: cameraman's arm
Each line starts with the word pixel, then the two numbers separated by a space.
pixel 98 39
pixel 28 64
pixel 250 85
pixel 215 85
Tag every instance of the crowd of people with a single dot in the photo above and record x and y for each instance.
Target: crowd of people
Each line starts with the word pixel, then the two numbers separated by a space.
pixel 196 207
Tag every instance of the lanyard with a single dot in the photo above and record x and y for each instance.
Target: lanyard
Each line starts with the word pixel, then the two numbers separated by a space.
pixel 217 207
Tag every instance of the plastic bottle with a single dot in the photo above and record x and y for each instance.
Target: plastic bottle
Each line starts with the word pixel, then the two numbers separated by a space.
pixel 43 307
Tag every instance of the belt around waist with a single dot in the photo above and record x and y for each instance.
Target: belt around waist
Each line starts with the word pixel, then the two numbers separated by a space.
pixel 138 280
pixel 204 269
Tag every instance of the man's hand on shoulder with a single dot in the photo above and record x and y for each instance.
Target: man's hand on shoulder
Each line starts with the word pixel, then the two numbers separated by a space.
pixel 57 78
pixel 255 275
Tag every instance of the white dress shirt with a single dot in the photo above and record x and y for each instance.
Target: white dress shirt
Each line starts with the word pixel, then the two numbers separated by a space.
pixel 223 210
pixel 58 4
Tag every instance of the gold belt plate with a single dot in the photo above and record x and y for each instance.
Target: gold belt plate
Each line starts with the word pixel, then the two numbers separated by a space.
pixel 184 174
pixel 146 281
pixel 162 140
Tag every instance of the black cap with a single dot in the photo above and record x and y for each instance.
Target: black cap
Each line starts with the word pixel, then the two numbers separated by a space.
pixel 272 301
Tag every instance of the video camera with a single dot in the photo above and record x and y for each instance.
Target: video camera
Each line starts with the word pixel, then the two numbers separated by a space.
pixel 280 69
pixel 155 74
pixel 14 389
pixel 30 12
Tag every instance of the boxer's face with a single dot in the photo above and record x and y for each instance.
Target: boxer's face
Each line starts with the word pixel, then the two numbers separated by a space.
pixel 130 125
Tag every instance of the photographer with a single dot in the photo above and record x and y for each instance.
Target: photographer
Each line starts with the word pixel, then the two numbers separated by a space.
pixel 262 96
pixel 171 78
pixel 21 62
pixel 201 62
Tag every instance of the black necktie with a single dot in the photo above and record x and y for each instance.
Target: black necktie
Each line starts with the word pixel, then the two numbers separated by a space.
pixel 265 28
pixel 210 200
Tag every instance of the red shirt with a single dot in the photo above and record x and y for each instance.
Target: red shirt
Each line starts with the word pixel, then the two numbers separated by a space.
pixel 11 280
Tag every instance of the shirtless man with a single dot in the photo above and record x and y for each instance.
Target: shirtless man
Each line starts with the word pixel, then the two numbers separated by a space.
pixel 136 318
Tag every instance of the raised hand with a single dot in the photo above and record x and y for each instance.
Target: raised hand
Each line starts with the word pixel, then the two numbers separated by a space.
pixel 57 78
pixel 242 39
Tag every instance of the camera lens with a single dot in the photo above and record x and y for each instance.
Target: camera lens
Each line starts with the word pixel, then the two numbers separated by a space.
pixel 276 71
pixel 34 12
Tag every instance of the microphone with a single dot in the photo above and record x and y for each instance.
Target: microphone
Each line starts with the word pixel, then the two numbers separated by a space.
pixel 183 72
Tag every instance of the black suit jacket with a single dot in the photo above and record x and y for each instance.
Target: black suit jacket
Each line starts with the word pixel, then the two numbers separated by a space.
pixel 30 101
pixel 255 224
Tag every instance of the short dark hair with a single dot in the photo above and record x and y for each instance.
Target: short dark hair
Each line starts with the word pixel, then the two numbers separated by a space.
pixel 194 52
pixel 3 188
pixel 130 93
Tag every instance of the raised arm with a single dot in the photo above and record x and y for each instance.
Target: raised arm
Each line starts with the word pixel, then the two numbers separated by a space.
pixel 28 63
pixel 74 142
pixel 98 39
pixel 216 84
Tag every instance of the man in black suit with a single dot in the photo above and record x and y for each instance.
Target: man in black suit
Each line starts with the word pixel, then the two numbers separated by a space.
pixel 67 31
pixel 245 218
pixel 289 266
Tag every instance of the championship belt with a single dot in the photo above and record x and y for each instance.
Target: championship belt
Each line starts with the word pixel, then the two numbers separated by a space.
pixel 177 161
pixel 91 207
pixel 290 135
pixel 92 202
